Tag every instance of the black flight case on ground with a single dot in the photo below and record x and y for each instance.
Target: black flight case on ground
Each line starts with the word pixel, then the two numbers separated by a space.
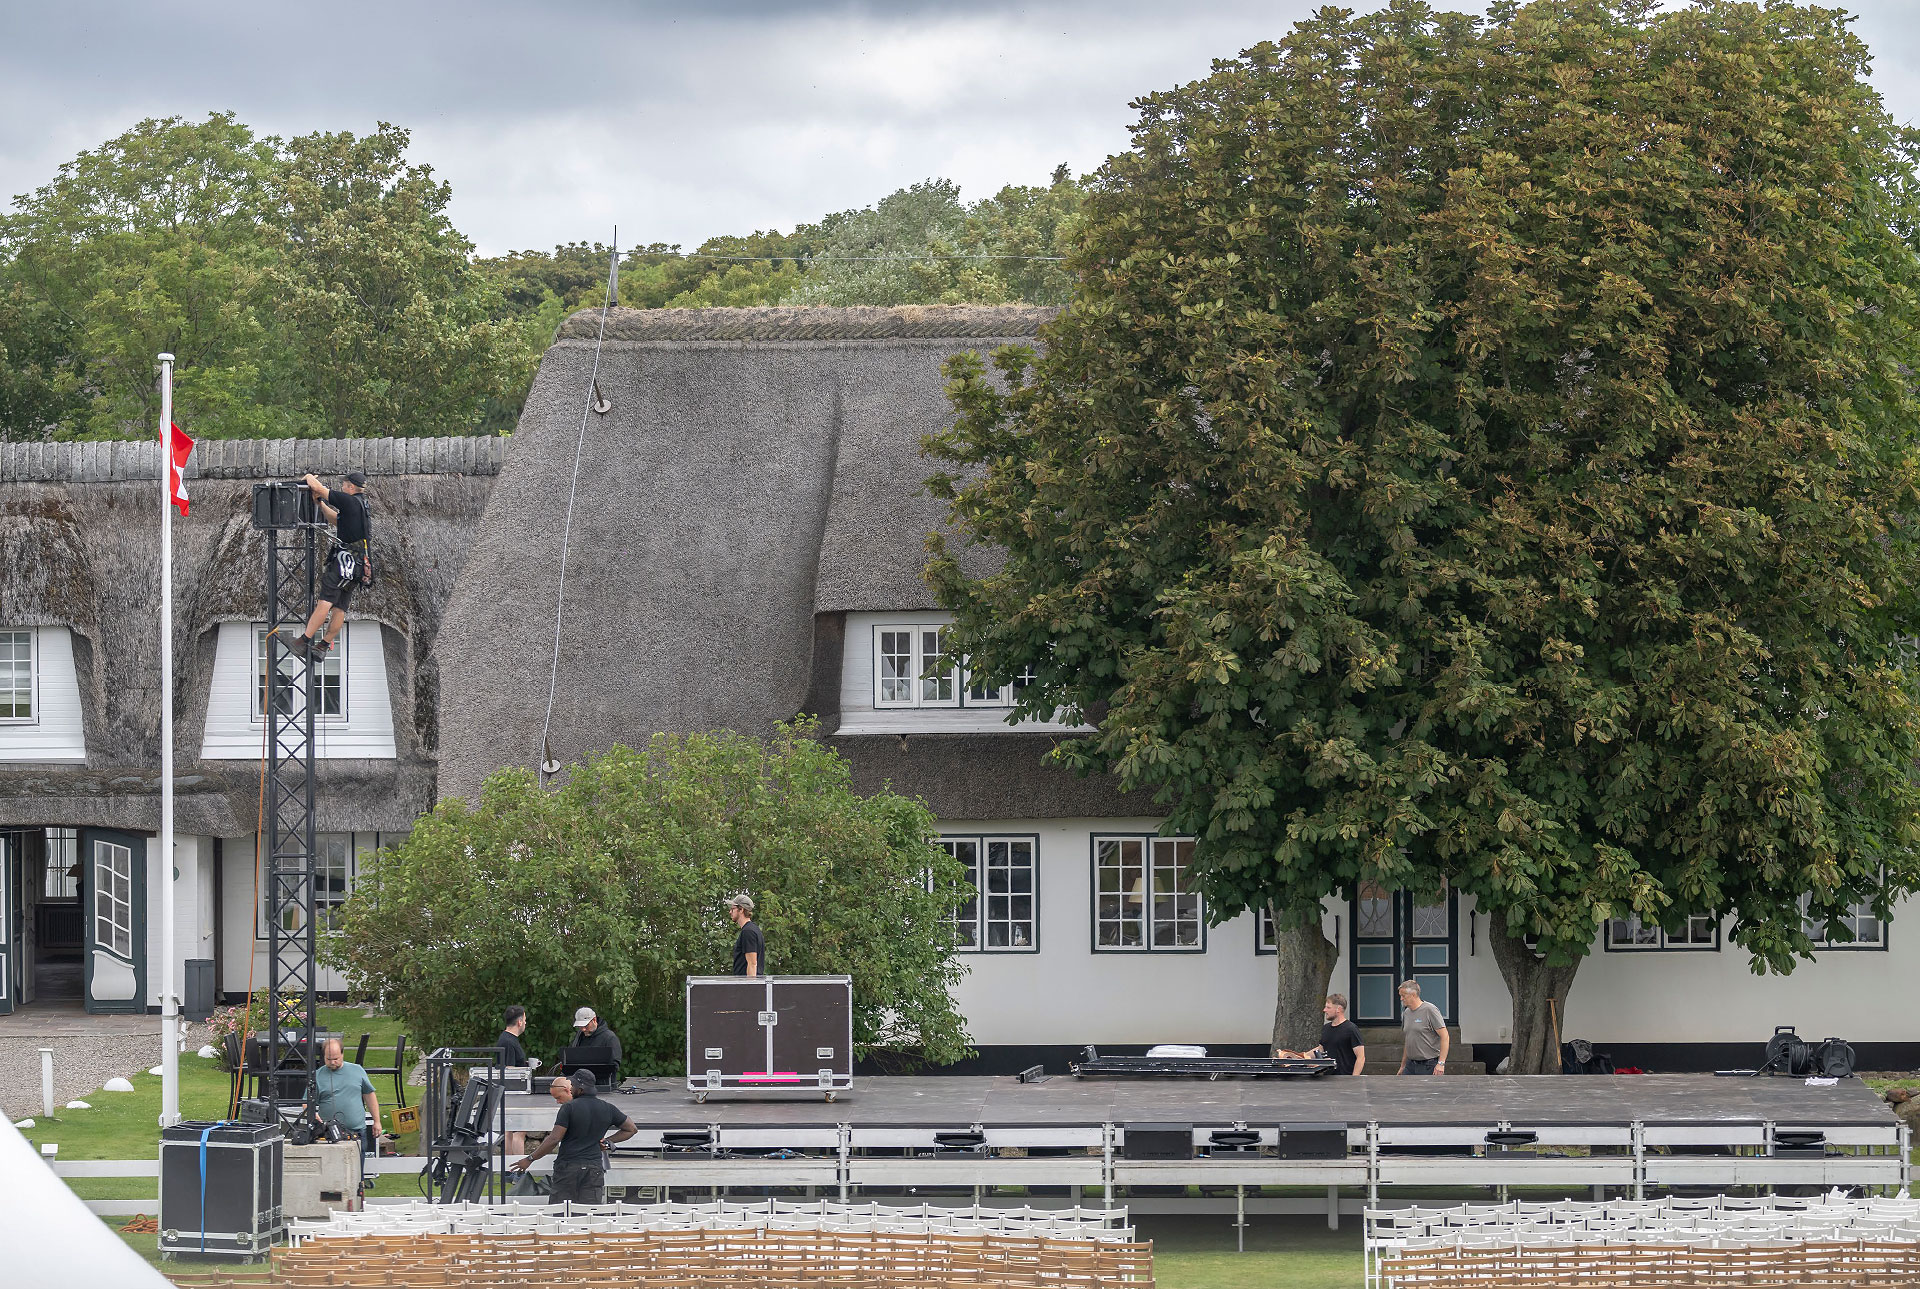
pixel 769 1034
pixel 220 1188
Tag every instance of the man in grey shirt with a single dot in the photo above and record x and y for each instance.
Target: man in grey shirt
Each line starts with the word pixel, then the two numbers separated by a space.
pixel 1424 1037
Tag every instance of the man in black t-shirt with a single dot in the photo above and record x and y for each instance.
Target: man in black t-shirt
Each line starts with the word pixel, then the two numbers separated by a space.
pixel 348 564
pixel 749 947
pixel 1339 1038
pixel 580 1170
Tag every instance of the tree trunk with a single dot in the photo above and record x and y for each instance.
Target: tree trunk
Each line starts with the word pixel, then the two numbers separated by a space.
pixel 1305 958
pixel 1533 984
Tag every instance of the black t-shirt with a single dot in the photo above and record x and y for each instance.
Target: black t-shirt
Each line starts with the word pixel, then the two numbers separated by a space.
pixel 1339 1042
pixel 750 941
pixel 586 1120
pixel 351 523
pixel 514 1054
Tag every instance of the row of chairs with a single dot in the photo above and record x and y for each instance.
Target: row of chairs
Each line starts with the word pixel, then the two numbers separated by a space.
pixel 1861 1263
pixel 249 1067
pixel 723 1260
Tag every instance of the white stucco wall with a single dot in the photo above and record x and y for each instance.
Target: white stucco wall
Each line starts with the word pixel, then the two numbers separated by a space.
pixel 192 910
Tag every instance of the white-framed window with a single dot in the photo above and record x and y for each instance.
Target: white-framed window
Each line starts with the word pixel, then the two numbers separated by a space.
pixel 912 668
pixel 1264 940
pixel 1003 916
pixel 335 864
pixel 330 677
pixel 19 696
pixel 1631 935
pixel 62 881
pixel 1869 930
pixel 1144 897
pixel 113 898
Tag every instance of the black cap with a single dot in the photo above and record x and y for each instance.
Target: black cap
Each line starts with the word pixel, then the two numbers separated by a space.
pixel 357 479
pixel 584 1084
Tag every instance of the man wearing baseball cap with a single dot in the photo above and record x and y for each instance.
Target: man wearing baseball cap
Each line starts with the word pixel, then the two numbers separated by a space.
pixel 348 565
pixel 594 1045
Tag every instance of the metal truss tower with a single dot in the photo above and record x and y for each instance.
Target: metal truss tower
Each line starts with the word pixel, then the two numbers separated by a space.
pixel 292 531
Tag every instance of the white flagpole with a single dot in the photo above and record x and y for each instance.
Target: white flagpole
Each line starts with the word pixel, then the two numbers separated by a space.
pixel 169 992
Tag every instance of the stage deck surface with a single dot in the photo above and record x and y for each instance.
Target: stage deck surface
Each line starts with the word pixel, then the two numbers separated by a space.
pixel 918 1101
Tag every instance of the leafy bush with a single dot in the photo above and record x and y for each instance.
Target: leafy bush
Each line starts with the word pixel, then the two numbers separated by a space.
pixel 610 889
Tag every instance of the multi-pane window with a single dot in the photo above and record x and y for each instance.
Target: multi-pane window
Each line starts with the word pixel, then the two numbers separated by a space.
pixel 329 678
pixel 333 872
pixel 62 865
pixel 1869 930
pixel 16 676
pixel 1002 913
pixel 912 667
pixel 1627 934
pixel 113 898
pixel 1264 939
pixel 1144 897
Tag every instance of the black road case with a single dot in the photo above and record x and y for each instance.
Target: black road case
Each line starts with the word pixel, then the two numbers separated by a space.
pixel 769 1034
pixel 220 1188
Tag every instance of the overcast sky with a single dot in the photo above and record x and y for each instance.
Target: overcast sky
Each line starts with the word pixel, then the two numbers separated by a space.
pixel 677 121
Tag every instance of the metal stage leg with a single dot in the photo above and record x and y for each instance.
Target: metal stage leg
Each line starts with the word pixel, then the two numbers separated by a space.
pixel 1333 1208
pixel 291 573
pixel 1240 1218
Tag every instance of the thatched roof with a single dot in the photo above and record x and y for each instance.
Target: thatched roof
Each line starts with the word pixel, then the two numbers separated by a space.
pixel 757 468
pixel 79 537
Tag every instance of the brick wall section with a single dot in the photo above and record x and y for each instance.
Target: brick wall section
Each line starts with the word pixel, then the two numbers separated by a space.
pixel 121 462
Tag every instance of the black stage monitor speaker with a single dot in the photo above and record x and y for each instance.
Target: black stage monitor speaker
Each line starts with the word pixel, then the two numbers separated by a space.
pixel 285 504
pixel 1312 1141
pixel 1158 1141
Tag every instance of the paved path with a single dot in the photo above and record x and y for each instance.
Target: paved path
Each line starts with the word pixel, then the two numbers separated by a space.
pixel 87 1051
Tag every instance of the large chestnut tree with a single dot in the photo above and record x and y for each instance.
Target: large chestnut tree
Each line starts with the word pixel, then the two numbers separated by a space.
pixel 1481 451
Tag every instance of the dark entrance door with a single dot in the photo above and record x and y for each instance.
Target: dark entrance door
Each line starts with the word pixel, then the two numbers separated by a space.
pixel 1395 939
pixel 113 900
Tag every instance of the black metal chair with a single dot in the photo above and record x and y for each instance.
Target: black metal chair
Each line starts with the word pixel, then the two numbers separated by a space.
pixel 398 1070
pixel 360 1053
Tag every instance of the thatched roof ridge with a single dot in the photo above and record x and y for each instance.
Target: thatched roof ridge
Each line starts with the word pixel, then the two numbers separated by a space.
pixel 121 461
pixel 777 323
pixel 733 498
pixel 79 547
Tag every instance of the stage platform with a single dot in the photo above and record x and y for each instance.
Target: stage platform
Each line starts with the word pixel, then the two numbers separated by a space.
pixel 1627 1133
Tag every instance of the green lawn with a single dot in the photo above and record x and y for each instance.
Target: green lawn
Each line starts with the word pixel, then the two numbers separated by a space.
pixel 1282 1253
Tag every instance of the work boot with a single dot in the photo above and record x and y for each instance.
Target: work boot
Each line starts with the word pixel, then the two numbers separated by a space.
pixel 319 648
pixel 299 645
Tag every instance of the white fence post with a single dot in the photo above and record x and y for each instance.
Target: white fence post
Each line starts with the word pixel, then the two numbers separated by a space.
pixel 46 1082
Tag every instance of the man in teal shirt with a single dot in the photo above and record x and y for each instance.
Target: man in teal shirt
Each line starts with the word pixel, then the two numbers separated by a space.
pixel 340 1089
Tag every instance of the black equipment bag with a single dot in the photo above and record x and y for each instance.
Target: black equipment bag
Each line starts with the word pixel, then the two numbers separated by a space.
pixel 1833 1059
pixel 1577 1056
pixel 1787 1053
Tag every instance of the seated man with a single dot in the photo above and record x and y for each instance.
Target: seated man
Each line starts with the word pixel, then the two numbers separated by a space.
pixel 1339 1039
pixel 579 1170
pixel 595 1046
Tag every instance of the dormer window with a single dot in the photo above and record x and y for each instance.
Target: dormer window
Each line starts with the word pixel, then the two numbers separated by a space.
pixel 913 668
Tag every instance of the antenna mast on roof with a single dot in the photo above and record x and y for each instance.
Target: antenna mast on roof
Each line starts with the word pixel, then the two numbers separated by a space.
pixel 593 403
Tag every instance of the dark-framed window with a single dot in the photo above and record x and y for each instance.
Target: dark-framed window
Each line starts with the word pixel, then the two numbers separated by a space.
pixel 1144 897
pixel 1700 934
pixel 1004 914
pixel 1869 929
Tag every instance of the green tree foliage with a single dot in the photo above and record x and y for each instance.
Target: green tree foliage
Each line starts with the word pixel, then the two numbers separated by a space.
pixel 150 243
pixel 923 245
pixel 610 890
pixel 1484 453
pixel 389 322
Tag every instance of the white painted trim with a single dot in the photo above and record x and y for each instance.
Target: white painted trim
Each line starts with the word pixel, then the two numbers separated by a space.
pixel 860 712
pixel 56 732
pixel 233 734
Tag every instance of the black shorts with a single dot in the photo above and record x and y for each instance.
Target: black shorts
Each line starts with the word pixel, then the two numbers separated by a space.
pixel 333 590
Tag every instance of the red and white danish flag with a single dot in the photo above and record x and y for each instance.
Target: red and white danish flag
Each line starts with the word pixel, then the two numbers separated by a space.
pixel 180 450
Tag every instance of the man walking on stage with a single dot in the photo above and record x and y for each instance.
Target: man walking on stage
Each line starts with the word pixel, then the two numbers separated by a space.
pixel 347 564
pixel 1425 1038
pixel 749 947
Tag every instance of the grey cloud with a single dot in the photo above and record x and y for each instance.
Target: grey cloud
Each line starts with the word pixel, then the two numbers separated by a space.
pixel 676 121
